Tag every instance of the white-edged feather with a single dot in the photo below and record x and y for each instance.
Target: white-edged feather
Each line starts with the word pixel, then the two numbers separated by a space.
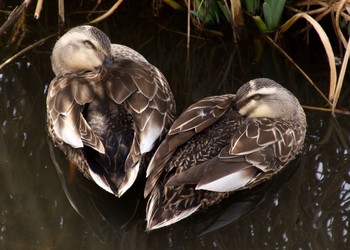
pixel 131 177
pixel 99 181
pixel 68 134
pixel 230 182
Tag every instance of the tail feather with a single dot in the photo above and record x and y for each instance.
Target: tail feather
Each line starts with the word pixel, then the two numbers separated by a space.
pixel 169 206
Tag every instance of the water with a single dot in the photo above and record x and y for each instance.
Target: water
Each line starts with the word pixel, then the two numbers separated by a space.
pixel 42 206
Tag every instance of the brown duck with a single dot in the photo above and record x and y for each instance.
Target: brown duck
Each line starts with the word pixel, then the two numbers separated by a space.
pixel 107 107
pixel 222 144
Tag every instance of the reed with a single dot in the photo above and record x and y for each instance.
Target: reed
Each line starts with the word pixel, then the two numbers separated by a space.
pixel 211 15
pixel 319 10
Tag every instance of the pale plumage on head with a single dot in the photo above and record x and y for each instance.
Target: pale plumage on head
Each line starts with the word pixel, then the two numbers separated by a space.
pixel 83 48
pixel 263 97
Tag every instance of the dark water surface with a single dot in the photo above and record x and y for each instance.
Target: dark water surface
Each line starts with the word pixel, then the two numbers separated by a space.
pixel 43 206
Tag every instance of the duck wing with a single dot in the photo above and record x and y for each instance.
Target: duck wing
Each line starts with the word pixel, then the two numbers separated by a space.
pixel 193 120
pixel 260 148
pixel 140 89
pixel 66 98
pixel 146 95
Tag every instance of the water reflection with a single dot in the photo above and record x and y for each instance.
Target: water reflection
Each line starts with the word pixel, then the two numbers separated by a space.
pixel 307 206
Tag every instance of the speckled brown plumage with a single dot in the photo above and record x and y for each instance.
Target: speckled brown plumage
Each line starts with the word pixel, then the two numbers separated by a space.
pixel 215 147
pixel 106 118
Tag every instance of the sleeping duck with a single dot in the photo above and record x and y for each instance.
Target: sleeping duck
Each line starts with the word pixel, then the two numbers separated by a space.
pixel 223 144
pixel 107 107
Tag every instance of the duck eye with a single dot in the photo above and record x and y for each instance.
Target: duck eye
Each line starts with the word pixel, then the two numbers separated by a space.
pixel 257 97
pixel 89 44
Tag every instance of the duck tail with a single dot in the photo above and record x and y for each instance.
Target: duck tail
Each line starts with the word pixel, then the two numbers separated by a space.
pixel 161 212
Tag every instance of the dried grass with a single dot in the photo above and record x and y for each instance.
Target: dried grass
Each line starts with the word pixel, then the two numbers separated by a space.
pixel 18 11
pixel 326 43
pixel 322 9
pixel 311 10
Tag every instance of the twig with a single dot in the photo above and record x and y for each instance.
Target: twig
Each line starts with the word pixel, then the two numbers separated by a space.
pixel 14 16
pixel 188 23
pixel 94 9
pixel 299 69
pixel 337 28
pixel 343 112
pixel 326 44
pixel 26 50
pixel 39 6
pixel 108 13
pixel 237 20
pixel 341 77
pixel 61 18
pixel 100 18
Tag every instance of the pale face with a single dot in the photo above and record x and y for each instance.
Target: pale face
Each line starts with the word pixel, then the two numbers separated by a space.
pixel 78 50
pixel 257 104
pixel 265 98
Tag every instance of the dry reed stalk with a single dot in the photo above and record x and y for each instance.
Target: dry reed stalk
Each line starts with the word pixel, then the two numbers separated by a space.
pixel 338 111
pixel 237 20
pixel 310 3
pixel 326 44
pixel 26 49
pixel 341 77
pixel 14 16
pixel 310 12
pixel 107 14
pixel 94 8
pixel 39 6
pixel 237 15
pixel 61 18
pixel 337 28
pixel 188 24
pixel 299 69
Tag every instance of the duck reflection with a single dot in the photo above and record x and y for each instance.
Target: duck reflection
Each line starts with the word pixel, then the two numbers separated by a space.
pixel 92 203
pixel 107 215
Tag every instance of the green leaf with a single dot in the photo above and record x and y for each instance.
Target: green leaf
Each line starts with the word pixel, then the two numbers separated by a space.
pixel 225 11
pixel 272 10
pixel 260 23
pixel 252 6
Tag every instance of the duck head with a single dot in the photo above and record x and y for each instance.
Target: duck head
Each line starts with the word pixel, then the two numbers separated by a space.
pixel 265 98
pixel 83 48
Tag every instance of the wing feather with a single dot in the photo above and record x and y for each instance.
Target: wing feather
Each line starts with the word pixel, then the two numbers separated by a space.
pixel 147 98
pixel 256 150
pixel 66 98
pixel 205 112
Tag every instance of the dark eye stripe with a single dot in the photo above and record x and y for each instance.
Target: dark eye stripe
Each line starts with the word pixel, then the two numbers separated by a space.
pixel 247 100
pixel 89 43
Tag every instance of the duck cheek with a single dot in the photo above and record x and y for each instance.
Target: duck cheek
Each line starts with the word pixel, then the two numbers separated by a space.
pixel 263 111
pixel 245 110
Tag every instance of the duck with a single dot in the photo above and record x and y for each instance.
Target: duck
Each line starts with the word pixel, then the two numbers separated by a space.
pixel 220 145
pixel 107 107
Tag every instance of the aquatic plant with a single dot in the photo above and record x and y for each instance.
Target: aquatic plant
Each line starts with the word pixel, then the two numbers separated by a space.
pixel 211 15
pixel 338 12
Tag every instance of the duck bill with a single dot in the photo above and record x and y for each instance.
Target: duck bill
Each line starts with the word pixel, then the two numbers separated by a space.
pixel 108 62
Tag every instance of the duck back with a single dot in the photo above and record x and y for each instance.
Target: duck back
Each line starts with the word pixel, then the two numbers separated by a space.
pixel 113 125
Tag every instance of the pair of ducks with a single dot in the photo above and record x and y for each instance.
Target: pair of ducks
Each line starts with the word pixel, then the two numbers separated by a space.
pixel 113 114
